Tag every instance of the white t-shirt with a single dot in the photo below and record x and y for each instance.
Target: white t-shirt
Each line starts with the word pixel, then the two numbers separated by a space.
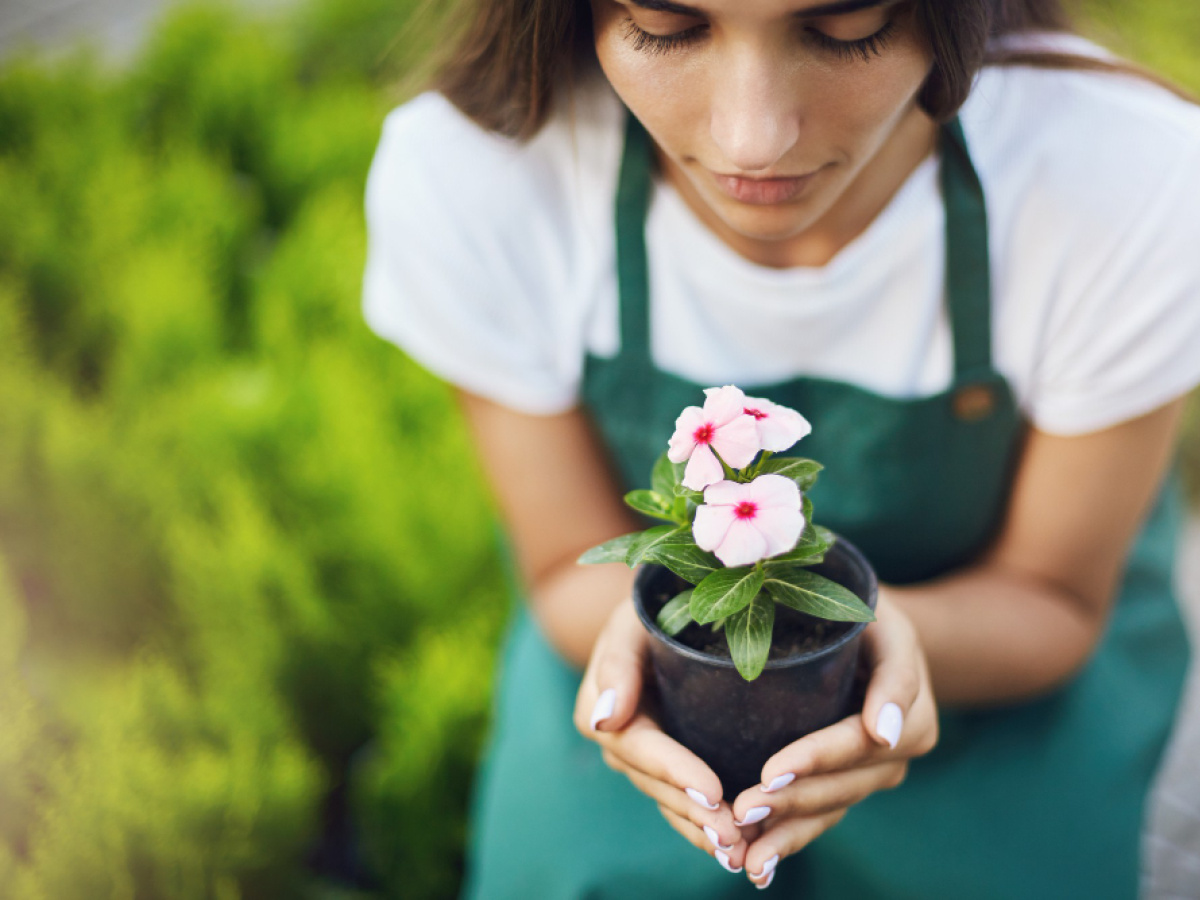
pixel 492 262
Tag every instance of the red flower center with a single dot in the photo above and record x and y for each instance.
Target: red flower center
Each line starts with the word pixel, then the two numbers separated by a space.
pixel 704 434
pixel 746 510
pixel 757 413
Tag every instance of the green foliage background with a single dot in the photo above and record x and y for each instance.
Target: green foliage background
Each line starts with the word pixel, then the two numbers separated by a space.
pixel 238 611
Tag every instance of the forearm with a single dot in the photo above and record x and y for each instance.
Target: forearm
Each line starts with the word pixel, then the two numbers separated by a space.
pixel 995 636
pixel 571 604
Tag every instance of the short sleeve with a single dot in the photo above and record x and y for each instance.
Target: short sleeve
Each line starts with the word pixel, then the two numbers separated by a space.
pixel 462 267
pixel 1128 341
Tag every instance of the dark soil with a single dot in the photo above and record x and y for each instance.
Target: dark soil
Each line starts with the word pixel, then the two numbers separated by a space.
pixel 795 632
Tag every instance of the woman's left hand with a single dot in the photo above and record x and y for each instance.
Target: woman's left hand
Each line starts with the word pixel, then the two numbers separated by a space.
pixel 817 778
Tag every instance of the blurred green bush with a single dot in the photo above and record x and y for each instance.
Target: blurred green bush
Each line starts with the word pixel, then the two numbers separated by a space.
pixel 246 642
pixel 223 560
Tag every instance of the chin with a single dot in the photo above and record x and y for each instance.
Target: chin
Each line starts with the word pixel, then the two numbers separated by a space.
pixel 768 223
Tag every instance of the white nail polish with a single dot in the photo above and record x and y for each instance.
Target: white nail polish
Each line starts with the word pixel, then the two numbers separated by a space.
pixel 779 781
pixel 889 724
pixel 700 798
pixel 757 814
pixel 715 839
pixel 723 859
pixel 768 866
pixel 766 884
pixel 605 704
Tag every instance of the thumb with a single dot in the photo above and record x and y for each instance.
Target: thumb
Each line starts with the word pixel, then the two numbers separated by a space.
pixel 612 684
pixel 896 670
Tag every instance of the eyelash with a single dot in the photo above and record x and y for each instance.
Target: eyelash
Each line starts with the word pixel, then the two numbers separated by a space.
pixel 863 48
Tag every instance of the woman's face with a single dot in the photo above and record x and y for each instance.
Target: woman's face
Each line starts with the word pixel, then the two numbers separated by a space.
pixel 783 123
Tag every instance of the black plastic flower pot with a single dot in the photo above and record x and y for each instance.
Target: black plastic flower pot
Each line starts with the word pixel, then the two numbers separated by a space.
pixel 736 725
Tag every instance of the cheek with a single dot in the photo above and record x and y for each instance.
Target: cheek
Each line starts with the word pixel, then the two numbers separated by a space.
pixel 871 97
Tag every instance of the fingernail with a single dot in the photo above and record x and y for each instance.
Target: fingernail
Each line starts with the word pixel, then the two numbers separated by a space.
pixel 757 814
pixel 605 704
pixel 723 859
pixel 715 839
pixel 779 781
pixel 766 884
pixel 700 798
pixel 768 866
pixel 890 721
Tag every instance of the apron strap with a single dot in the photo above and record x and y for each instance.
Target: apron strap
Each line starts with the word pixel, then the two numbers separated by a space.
pixel 968 269
pixel 968 276
pixel 635 186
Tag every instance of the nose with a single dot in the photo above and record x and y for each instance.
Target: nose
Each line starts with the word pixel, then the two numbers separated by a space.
pixel 755 113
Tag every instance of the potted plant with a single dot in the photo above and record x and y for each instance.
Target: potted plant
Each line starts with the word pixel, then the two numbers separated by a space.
pixel 755 611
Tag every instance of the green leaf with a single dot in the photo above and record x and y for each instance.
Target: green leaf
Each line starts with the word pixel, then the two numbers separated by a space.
pixel 749 636
pixel 806 508
pixel 724 592
pixel 684 508
pixel 802 471
pixel 674 617
pixel 666 475
pixel 616 550
pixel 646 541
pixel 809 550
pixel 816 595
pixel 825 535
pixel 680 554
pixel 651 504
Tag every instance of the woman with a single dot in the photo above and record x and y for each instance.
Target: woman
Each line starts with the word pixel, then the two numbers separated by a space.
pixel 981 293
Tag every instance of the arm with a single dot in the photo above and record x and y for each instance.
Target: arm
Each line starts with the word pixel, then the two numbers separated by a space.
pixel 558 498
pixel 1027 615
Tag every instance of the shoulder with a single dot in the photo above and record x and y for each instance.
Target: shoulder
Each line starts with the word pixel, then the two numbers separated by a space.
pixel 483 251
pixel 1092 146
pixel 1091 180
pixel 434 164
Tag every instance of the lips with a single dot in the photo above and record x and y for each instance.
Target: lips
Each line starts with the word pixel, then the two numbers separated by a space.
pixel 762 191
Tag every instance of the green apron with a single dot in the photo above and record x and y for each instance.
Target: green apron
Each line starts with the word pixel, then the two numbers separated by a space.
pixel 1039 800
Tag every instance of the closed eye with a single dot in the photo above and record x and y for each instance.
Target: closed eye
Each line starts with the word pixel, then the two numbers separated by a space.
pixel 647 42
pixel 863 48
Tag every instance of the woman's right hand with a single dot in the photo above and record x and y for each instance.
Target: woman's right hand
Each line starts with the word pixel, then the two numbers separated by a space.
pixel 608 710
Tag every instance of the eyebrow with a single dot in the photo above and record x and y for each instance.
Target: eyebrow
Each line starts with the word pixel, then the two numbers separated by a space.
pixel 835 8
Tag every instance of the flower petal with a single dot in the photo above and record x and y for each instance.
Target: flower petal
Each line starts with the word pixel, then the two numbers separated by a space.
pixel 683 441
pixel 774 491
pixel 710 525
pixel 702 469
pixel 781 427
pixel 722 405
pixel 743 544
pixel 725 493
pixel 780 528
pixel 737 441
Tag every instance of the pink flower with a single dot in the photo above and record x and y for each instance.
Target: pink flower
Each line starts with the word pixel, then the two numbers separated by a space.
pixel 721 426
pixel 743 523
pixel 778 426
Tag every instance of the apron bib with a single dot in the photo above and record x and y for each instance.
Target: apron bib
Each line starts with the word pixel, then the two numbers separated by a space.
pixel 1039 800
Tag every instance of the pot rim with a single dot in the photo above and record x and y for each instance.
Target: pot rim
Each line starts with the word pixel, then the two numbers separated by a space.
pixel 644 573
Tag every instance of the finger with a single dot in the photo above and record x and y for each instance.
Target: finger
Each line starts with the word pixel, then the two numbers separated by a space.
pixel 696 837
pixel 786 837
pixel 891 644
pixel 819 794
pixel 715 824
pixel 842 745
pixel 611 688
pixel 643 746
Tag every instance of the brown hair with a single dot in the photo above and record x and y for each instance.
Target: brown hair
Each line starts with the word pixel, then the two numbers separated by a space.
pixel 505 65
